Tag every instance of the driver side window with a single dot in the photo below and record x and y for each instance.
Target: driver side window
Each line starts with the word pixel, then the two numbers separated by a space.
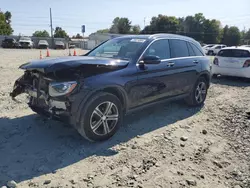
pixel 159 48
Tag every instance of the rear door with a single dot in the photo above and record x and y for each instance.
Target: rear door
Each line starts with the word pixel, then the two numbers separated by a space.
pixel 233 58
pixel 187 58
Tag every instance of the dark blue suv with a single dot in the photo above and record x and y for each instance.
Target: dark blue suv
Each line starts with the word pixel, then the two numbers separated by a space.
pixel 96 90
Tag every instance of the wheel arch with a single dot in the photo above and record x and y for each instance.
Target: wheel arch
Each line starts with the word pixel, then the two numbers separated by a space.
pixel 118 91
pixel 206 75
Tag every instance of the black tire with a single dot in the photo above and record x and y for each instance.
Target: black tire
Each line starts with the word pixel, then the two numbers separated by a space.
pixel 210 53
pixel 87 111
pixel 191 99
pixel 215 76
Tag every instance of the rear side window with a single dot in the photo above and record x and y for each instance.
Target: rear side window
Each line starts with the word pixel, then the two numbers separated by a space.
pixel 178 48
pixel 234 53
pixel 190 49
pixel 193 50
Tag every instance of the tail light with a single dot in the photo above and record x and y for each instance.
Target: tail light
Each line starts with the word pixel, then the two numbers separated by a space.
pixel 216 61
pixel 247 63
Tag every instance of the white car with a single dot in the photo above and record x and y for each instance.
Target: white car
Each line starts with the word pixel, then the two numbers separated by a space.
pixel 25 42
pixel 207 47
pixel 246 46
pixel 232 61
pixel 43 44
pixel 215 49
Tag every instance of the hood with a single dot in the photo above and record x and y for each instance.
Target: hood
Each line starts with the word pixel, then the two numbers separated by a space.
pixel 23 40
pixel 56 64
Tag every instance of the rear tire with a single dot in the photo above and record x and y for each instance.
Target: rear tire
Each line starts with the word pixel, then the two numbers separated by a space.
pixel 210 53
pixel 101 117
pixel 199 93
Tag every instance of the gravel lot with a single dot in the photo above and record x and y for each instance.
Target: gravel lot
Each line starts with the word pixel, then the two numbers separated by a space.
pixel 170 145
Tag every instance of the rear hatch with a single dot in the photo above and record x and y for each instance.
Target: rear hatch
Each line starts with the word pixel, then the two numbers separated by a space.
pixel 233 58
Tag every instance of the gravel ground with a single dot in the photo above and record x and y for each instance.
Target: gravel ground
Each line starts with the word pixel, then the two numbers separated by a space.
pixel 170 145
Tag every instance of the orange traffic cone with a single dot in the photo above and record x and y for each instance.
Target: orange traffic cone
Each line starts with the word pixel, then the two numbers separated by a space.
pixel 69 53
pixel 74 52
pixel 48 55
pixel 41 54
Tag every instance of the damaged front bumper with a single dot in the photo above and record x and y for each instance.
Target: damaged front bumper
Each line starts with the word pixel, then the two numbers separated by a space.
pixel 37 87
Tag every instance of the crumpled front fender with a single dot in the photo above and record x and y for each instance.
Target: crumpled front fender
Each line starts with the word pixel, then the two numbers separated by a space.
pixel 19 86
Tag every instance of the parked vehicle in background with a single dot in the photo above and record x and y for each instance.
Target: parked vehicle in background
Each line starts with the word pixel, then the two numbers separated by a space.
pixel 59 45
pixel 94 91
pixel 43 44
pixel 9 43
pixel 207 47
pixel 25 42
pixel 215 49
pixel 246 46
pixel 232 61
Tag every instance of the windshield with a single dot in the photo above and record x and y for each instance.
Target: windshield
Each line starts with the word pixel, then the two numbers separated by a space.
pixel 59 43
pixel 208 46
pixel 119 48
pixel 25 38
pixel 42 41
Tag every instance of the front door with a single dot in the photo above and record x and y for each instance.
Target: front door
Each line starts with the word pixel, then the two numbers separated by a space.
pixel 155 81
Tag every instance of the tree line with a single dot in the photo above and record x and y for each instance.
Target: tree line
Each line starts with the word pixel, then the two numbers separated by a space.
pixel 208 31
pixel 204 30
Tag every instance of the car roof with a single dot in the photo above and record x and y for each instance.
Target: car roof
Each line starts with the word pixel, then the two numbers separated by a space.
pixel 239 48
pixel 219 45
pixel 160 35
pixel 9 38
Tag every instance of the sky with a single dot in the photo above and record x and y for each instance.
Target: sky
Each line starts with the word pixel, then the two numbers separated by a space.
pixel 31 15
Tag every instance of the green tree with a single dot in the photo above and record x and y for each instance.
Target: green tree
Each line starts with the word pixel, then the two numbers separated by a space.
pixel 43 33
pixel 5 20
pixel 162 24
pixel 121 26
pixel 247 35
pixel 194 26
pixel 212 31
pixel 78 36
pixel 103 31
pixel 232 36
pixel 135 29
pixel 60 33
pixel 225 34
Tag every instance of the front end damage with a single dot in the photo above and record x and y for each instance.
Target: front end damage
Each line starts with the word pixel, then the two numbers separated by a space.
pixel 42 99
pixel 54 85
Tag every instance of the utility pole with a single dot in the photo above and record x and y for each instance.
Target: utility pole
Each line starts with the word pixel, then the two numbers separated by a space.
pixel 51 28
pixel 144 22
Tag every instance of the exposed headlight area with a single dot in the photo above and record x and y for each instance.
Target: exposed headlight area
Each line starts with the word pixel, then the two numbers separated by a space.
pixel 57 89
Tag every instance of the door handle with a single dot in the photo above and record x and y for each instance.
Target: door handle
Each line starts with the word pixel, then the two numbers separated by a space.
pixel 195 61
pixel 171 64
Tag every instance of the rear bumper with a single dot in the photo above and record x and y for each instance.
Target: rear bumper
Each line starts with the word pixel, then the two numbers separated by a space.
pixel 239 72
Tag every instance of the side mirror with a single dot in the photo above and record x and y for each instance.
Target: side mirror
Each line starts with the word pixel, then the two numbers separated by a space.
pixel 151 59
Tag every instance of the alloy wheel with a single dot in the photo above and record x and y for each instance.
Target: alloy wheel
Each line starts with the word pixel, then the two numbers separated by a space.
pixel 200 92
pixel 104 118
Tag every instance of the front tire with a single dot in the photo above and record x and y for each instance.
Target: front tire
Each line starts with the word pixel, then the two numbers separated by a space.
pixel 199 93
pixel 101 117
